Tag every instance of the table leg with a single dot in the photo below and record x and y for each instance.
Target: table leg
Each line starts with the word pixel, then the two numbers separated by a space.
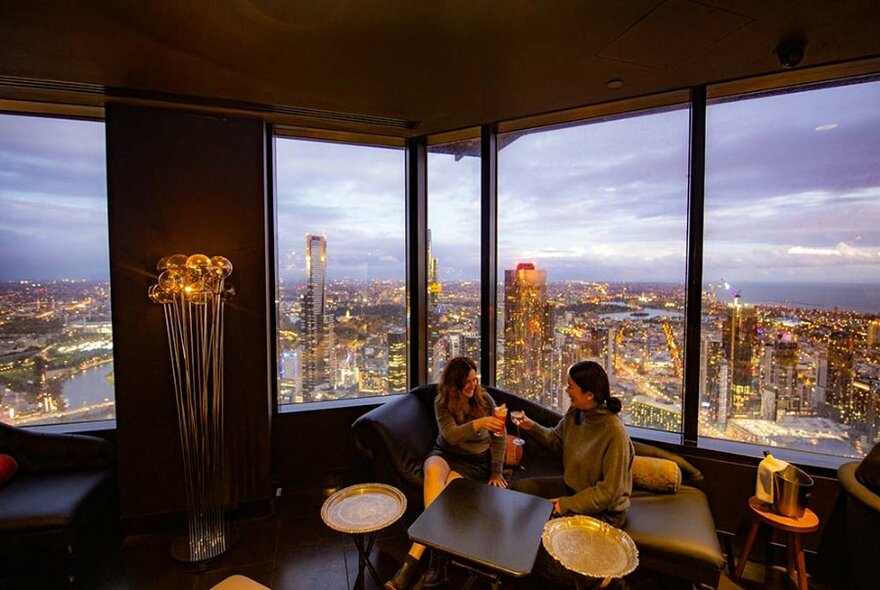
pixel 790 566
pixel 747 549
pixel 364 544
pixel 801 562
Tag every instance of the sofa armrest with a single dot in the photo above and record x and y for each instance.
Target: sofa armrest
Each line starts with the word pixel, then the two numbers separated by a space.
pixel 846 474
pixel 400 433
pixel 690 475
pixel 43 452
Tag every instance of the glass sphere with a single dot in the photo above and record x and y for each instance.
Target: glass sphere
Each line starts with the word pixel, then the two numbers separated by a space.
pixel 221 267
pixel 177 261
pixel 198 262
pixel 171 280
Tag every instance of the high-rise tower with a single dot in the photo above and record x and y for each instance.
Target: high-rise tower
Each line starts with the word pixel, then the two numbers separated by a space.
pixel 313 310
pixel 740 332
pixel 526 330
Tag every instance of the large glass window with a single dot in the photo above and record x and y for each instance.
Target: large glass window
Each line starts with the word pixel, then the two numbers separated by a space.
pixel 592 227
pixel 453 253
pixel 790 350
pixel 341 292
pixel 56 345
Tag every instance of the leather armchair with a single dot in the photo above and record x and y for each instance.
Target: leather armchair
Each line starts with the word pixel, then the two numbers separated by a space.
pixel 675 533
pixel 58 511
pixel 861 524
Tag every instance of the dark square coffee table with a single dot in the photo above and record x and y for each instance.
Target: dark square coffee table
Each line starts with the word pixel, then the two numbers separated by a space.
pixel 491 531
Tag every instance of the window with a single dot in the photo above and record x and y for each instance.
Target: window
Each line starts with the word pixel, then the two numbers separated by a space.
pixel 592 227
pixel 56 344
pixel 453 253
pixel 341 290
pixel 790 345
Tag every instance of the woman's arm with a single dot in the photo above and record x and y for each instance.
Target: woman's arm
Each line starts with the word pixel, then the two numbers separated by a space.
pixel 548 437
pixel 453 433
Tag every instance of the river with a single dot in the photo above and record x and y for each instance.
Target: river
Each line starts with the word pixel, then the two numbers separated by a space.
pixel 89 387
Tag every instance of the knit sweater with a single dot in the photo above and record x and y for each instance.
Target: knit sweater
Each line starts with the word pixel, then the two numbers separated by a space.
pixel 461 438
pixel 597 457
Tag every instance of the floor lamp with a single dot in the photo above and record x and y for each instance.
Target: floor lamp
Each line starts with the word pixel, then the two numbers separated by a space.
pixel 192 291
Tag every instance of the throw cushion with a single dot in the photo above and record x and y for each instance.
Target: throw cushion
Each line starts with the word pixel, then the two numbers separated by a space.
pixel 8 467
pixel 868 471
pixel 655 474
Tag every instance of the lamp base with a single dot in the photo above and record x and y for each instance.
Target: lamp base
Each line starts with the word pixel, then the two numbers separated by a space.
pixel 181 554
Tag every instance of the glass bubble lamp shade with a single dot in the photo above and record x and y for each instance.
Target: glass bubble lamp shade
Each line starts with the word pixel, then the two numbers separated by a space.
pixel 192 291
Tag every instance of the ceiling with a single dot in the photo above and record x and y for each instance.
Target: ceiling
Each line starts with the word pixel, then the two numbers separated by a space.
pixel 418 67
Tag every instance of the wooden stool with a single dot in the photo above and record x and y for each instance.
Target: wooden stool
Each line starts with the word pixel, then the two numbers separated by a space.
pixel 795 527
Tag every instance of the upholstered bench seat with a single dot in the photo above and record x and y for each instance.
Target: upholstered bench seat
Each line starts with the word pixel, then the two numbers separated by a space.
pixel 33 502
pixel 675 533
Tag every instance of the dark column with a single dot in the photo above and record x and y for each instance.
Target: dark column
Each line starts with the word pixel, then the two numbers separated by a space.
pixel 186 183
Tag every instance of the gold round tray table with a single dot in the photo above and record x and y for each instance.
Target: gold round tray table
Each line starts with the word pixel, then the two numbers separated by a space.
pixel 360 511
pixel 590 547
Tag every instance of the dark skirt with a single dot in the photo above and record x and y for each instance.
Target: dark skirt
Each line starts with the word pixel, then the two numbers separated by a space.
pixel 477 467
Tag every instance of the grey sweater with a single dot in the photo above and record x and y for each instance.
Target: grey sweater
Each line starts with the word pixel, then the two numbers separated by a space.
pixel 461 438
pixel 597 457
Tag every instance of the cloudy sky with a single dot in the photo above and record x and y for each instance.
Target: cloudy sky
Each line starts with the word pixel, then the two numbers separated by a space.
pixel 793 195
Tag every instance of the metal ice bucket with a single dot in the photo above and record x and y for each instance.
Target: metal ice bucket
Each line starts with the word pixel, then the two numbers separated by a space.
pixel 791 490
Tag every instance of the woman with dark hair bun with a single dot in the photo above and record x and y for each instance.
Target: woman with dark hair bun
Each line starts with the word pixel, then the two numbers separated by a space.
pixel 597 458
pixel 597 454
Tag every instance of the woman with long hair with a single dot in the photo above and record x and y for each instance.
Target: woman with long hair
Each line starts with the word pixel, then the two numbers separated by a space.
pixel 464 447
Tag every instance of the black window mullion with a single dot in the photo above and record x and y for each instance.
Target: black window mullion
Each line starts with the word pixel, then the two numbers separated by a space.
pixel 488 248
pixel 417 259
pixel 693 313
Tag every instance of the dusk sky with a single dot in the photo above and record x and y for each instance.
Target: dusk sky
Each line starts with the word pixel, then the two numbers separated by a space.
pixel 793 194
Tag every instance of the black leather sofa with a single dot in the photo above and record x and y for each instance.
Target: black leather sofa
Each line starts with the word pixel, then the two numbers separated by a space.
pixel 861 524
pixel 58 515
pixel 675 533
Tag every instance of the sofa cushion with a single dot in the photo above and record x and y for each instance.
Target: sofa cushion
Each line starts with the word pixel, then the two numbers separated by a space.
pixel 47 501
pixel 655 474
pixel 868 471
pixel 675 533
pixel 8 467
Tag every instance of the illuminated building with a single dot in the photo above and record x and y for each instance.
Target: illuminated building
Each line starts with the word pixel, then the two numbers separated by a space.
pixel 526 331
pixel 396 361
pixel 740 330
pixel 874 333
pixel 648 413
pixel 711 383
pixel 315 328
pixel 838 390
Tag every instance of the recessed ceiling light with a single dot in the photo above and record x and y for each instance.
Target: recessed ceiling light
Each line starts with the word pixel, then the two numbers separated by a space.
pixel 614 84
pixel 826 127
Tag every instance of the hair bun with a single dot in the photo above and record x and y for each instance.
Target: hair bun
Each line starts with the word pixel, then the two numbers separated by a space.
pixel 614 404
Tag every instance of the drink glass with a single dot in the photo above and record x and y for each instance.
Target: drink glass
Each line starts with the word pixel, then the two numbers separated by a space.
pixel 500 412
pixel 517 418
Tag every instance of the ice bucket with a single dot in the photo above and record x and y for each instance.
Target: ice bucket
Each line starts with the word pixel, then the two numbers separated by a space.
pixel 791 490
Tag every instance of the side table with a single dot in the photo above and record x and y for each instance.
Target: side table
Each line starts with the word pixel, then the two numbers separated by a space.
pixel 492 532
pixel 795 527
pixel 361 511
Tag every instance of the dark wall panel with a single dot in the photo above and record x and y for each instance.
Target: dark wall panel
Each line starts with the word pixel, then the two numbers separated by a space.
pixel 186 183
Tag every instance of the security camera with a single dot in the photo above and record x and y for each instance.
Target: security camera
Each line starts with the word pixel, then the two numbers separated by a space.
pixel 790 52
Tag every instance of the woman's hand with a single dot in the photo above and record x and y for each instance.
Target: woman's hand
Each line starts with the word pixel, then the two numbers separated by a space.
pixel 525 422
pixel 490 423
pixel 556 509
pixel 497 480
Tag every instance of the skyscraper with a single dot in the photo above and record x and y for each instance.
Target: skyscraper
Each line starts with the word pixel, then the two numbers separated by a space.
pixel 396 361
pixel 315 370
pixel 526 331
pixel 740 331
